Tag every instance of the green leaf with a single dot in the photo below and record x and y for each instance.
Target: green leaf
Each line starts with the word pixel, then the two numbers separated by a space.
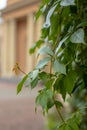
pixel 43 98
pixel 62 127
pixel 58 104
pixel 67 2
pixel 40 11
pixel 54 28
pixel 45 50
pixel 72 124
pixel 58 67
pixel 49 83
pixel 67 127
pixel 34 83
pixel 58 83
pixel 76 117
pixel 83 24
pixel 50 104
pixel 36 45
pixel 49 93
pixel 20 85
pixel 61 42
pixel 35 74
pixel 42 63
pixel 69 81
pixel 44 76
pixel 34 78
pixel 78 36
pixel 63 91
pixel 47 23
pixel 74 121
pixel 46 1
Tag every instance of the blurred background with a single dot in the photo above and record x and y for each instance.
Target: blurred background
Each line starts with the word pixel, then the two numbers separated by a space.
pixel 18 32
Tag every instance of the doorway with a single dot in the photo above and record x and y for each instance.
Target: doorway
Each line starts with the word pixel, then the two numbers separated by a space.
pixel 21 43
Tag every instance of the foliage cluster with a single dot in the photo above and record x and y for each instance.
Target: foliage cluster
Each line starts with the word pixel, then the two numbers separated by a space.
pixel 79 101
pixel 63 45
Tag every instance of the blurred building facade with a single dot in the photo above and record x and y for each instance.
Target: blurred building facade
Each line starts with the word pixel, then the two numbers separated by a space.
pixel 19 33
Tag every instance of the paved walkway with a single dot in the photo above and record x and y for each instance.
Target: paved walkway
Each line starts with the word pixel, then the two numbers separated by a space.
pixel 17 112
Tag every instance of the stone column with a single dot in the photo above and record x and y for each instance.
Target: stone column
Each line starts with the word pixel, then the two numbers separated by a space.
pixel 8 48
pixel 11 46
pixel 30 59
pixel 4 48
pixel 1 43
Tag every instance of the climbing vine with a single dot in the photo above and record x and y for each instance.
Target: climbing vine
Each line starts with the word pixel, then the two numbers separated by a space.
pixel 63 46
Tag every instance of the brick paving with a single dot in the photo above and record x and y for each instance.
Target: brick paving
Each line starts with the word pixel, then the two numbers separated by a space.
pixel 17 112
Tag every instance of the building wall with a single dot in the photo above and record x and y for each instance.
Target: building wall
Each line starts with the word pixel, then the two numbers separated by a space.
pixel 10 2
pixel 21 26
pixel 8 48
pixel 1 42
pixel 17 13
pixel 20 33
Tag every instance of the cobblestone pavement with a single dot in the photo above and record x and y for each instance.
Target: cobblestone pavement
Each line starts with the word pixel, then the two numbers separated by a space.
pixel 17 112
